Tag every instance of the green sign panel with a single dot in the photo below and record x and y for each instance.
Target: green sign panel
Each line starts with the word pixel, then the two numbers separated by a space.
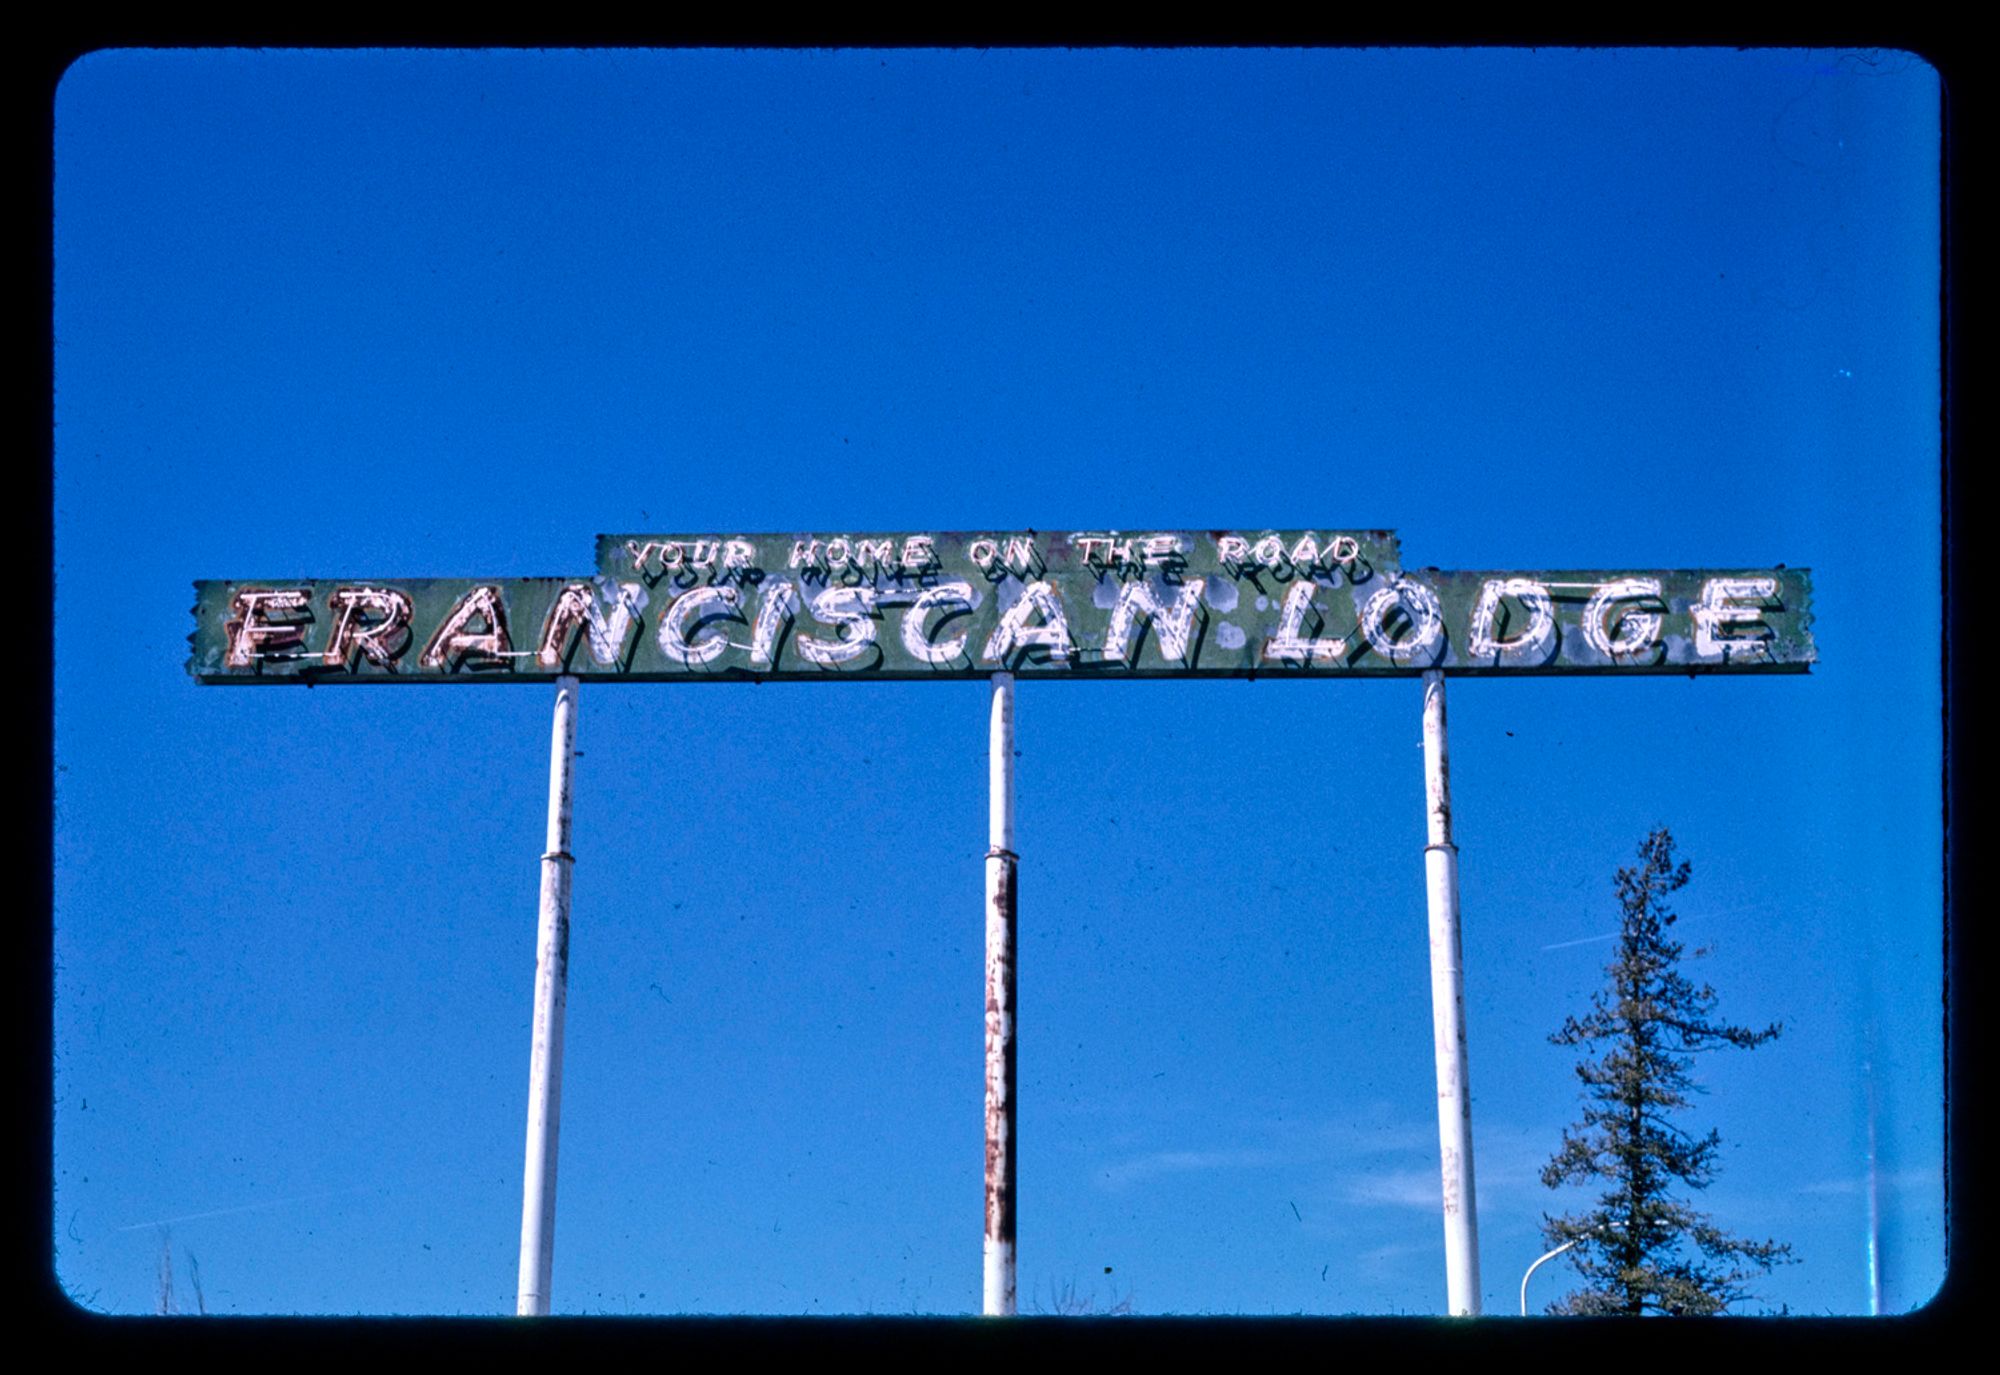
pixel 1135 604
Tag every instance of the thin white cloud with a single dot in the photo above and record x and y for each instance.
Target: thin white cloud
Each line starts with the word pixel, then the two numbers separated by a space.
pixel 1395 1251
pixel 1373 1133
pixel 239 1208
pixel 1510 1159
pixel 1892 1180
pixel 1377 1134
pixel 1394 1188
pixel 1585 940
pixel 1693 916
pixel 1379 1158
pixel 1155 1163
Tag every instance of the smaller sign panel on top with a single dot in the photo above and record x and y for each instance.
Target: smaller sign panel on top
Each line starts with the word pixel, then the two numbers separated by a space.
pixel 1078 604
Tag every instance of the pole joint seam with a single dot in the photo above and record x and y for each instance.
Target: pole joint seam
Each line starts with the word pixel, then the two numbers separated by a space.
pixel 1001 852
pixel 1441 845
pixel 563 855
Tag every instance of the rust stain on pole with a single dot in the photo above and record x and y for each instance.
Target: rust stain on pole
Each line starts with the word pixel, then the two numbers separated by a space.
pixel 545 1063
pixel 1002 866
pixel 1460 1197
pixel 1000 1056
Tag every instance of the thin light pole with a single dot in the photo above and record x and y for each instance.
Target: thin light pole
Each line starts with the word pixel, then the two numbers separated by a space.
pixel 538 1189
pixel 1874 1188
pixel 1001 862
pixel 1538 1265
pixel 1461 1218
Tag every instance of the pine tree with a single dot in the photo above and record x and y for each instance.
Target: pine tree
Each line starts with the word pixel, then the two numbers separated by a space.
pixel 1641 1249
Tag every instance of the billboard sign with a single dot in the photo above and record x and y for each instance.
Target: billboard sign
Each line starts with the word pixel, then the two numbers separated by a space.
pixel 818 606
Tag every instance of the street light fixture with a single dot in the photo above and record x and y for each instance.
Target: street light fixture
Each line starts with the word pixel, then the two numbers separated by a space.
pixel 1537 1265
pixel 1616 1226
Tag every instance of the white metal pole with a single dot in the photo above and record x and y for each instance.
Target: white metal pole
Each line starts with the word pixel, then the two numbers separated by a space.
pixel 1538 1265
pixel 1461 1218
pixel 538 1190
pixel 1001 862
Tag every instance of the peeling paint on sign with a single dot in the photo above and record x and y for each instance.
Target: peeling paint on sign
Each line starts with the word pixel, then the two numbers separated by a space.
pixel 1085 604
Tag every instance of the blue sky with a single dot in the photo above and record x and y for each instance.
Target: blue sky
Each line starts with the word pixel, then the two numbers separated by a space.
pixel 398 313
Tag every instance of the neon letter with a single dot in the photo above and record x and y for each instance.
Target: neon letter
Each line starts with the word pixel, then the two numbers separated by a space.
pixel 852 609
pixel 252 629
pixel 1291 643
pixel 774 608
pixel 672 635
pixel 917 640
pixel 382 640
pixel 1174 625
pixel 454 644
pixel 1531 645
pixel 1420 604
pixel 1723 603
pixel 1638 631
pixel 606 635
pixel 1014 633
